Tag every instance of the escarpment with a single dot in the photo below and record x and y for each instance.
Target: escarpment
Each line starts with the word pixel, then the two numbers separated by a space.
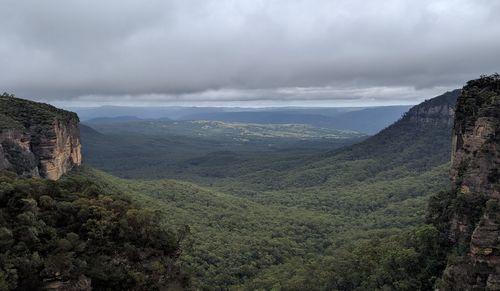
pixel 435 111
pixel 472 212
pixel 36 139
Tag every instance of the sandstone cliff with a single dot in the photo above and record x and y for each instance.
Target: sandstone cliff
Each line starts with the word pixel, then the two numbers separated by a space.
pixel 473 209
pixel 436 111
pixel 36 139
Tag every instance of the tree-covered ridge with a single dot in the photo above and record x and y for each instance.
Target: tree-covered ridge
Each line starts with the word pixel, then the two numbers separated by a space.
pixel 7 122
pixel 448 99
pixel 16 112
pixel 406 147
pixel 80 233
pixel 481 98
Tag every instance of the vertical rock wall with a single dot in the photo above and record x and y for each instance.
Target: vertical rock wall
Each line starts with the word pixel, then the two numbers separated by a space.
pixel 61 153
pixel 37 140
pixel 475 174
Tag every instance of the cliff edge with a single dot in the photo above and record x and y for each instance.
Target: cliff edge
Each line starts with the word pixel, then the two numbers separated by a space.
pixel 472 209
pixel 435 111
pixel 36 139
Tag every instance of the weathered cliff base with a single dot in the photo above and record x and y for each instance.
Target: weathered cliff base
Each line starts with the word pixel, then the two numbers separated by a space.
pixel 36 139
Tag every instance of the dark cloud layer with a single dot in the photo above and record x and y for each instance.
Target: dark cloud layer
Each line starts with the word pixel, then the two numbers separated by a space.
pixel 186 51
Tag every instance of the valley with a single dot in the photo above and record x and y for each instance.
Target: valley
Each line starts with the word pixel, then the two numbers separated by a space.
pixel 269 203
pixel 222 205
pixel 323 145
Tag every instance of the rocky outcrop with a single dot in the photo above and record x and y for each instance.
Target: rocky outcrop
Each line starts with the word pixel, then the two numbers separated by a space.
pixel 474 227
pixel 37 140
pixel 439 110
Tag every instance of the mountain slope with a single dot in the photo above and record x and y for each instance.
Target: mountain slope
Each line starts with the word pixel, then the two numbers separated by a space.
pixel 419 141
pixel 74 233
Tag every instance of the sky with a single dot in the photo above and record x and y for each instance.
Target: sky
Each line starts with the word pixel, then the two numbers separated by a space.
pixel 246 52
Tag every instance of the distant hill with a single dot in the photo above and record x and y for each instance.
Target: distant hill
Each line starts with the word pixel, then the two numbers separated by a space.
pixel 113 119
pixel 425 128
pixel 88 131
pixel 418 142
pixel 171 112
pixel 162 148
pixel 273 117
pixel 370 120
pixel 367 120
pixel 219 130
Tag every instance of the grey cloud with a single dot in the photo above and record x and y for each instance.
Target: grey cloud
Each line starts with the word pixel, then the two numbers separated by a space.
pixel 222 50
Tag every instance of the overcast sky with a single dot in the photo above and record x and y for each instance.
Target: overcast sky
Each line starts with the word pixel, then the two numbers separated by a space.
pixel 245 52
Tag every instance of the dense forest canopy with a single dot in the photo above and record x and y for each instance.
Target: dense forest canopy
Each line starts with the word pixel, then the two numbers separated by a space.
pixel 293 216
pixel 241 207
pixel 80 233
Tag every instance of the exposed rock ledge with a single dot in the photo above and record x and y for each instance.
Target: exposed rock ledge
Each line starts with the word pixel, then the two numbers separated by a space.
pixel 36 139
pixel 475 173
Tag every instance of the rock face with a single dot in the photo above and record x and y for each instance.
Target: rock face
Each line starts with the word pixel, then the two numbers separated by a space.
pixel 474 226
pixel 439 110
pixel 36 139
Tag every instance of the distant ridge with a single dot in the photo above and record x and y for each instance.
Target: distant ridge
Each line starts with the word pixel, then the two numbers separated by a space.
pixel 419 141
pixel 113 119
pixel 368 120
pixel 431 120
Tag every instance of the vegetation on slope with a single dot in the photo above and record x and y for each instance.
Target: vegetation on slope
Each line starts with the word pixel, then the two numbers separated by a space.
pixel 285 218
pixel 79 233
pixel 200 151
pixel 239 244
pixel 21 113
pixel 406 148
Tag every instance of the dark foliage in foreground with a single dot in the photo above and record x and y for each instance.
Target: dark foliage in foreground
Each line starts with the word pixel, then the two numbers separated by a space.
pixel 76 232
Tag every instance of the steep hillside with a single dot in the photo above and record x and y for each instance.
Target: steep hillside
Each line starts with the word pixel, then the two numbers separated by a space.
pixel 36 139
pixel 468 215
pixel 79 232
pixel 423 130
pixel 369 120
pixel 419 141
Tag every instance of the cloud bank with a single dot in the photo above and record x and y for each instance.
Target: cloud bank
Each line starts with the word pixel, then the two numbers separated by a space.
pixel 244 52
